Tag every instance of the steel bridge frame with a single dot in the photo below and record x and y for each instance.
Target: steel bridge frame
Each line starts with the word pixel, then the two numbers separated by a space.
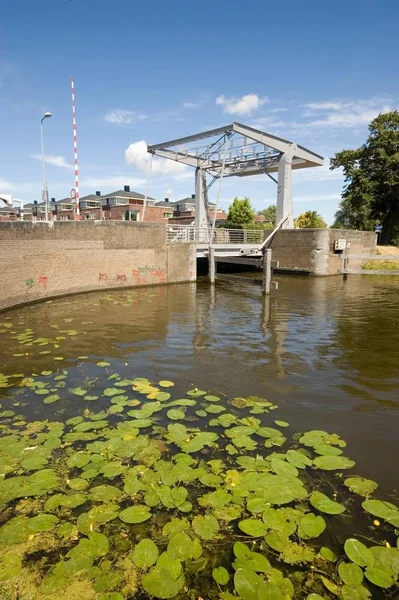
pixel 239 150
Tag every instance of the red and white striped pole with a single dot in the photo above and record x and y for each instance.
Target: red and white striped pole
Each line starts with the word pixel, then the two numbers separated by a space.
pixel 75 151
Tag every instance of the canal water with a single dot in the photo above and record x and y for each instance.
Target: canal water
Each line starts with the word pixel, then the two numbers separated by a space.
pixel 324 350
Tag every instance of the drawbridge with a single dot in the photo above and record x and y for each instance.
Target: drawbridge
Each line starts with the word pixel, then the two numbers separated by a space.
pixel 235 150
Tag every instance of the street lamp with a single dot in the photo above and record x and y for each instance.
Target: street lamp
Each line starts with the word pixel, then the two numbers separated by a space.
pixel 46 115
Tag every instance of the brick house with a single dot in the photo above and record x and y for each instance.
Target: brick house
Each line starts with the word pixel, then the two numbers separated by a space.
pixel 7 213
pixel 184 211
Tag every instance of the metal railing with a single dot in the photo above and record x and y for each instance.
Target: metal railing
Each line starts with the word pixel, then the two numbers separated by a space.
pixel 202 235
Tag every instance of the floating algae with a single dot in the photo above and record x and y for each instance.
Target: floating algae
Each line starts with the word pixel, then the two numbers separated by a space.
pixel 155 496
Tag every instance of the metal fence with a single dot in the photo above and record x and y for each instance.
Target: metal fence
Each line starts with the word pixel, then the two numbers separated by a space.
pixel 202 235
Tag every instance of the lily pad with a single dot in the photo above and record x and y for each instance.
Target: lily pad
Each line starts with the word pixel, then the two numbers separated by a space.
pixel 43 522
pixel 78 391
pixel 160 584
pixel 324 504
pixel 145 553
pixel 333 463
pixel 135 514
pixel 311 526
pixel 205 526
pixel 361 486
pixel 253 527
pixel 385 510
pixel 175 415
pixel 247 584
pixel 105 493
pixel 180 546
pixel 166 384
pixel 380 576
pixel 221 575
pixel 358 553
pixel 350 573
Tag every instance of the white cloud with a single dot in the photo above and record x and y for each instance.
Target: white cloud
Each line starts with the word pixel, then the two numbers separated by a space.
pixel 124 117
pixel 316 106
pixel 5 186
pixel 245 105
pixel 56 161
pixel 113 182
pixel 270 122
pixel 136 154
pixel 168 192
pixel 277 110
pixel 317 174
pixel 317 197
pixel 341 114
pixel 191 105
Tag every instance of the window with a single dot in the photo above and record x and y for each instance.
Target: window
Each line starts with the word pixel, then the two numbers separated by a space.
pixel 131 215
pixel 167 215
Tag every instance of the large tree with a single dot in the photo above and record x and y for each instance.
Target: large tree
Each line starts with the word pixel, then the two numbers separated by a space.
pixel 269 213
pixel 371 192
pixel 241 214
pixel 310 220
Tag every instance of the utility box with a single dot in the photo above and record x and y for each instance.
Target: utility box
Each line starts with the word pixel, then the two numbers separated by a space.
pixel 340 245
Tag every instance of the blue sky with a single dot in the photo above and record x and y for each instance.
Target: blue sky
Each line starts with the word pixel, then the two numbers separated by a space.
pixel 313 72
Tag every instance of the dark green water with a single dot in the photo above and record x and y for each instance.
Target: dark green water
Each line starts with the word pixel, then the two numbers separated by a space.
pixel 325 350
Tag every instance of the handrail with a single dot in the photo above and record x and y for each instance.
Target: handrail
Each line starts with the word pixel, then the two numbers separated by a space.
pixel 202 235
pixel 273 233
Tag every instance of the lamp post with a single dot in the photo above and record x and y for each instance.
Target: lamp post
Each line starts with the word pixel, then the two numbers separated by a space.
pixel 46 115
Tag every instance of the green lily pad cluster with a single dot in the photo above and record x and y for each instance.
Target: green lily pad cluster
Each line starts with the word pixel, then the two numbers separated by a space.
pixel 170 495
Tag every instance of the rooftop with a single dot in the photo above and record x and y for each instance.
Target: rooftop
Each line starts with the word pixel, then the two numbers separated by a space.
pixel 165 203
pixel 126 194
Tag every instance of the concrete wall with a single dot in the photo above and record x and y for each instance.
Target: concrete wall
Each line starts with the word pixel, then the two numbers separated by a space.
pixel 39 261
pixel 312 250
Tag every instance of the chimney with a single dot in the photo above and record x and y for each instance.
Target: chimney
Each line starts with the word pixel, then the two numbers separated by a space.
pixel 193 196
pixel 166 199
pixel 52 199
pixel 126 188
pixel 34 201
pixel 98 193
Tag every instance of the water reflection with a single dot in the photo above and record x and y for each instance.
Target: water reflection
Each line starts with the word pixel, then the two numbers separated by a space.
pixel 325 349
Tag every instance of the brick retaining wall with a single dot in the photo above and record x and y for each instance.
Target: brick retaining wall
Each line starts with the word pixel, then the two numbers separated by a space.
pixel 40 261
pixel 312 250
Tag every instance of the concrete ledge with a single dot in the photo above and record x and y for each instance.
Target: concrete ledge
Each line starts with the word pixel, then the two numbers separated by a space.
pixel 369 272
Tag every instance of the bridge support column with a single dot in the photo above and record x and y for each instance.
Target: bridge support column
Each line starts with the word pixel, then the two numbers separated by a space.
pixel 267 271
pixel 284 188
pixel 212 265
pixel 201 200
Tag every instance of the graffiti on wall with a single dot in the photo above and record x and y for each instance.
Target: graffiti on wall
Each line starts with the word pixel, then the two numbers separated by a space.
pixel 103 277
pixel 121 278
pixel 42 280
pixel 147 274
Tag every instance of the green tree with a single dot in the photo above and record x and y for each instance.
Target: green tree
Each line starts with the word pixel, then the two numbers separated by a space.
pixel 310 220
pixel 241 214
pixel 371 192
pixel 269 213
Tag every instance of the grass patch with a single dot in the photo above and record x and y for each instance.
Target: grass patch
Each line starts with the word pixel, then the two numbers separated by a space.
pixel 381 265
pixel 391 250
